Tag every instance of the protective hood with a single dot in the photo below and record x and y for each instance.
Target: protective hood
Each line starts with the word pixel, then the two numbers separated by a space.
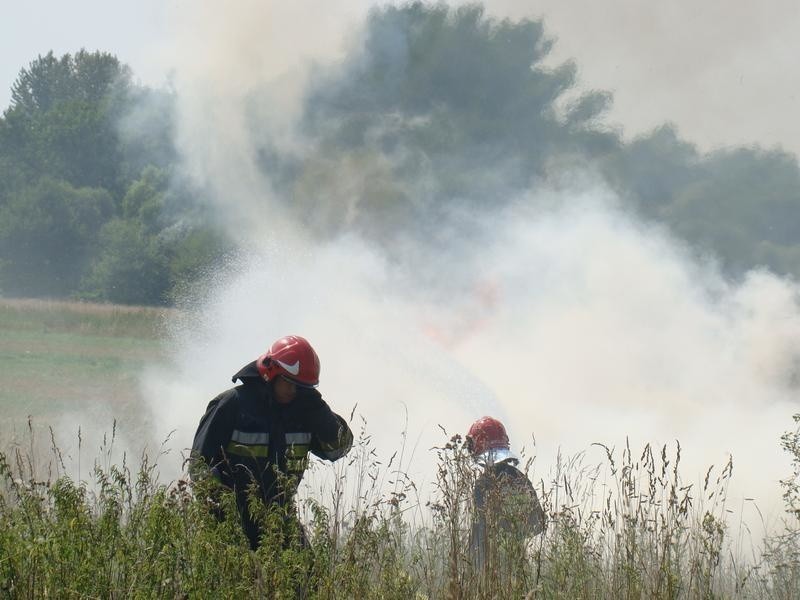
pixel 248 373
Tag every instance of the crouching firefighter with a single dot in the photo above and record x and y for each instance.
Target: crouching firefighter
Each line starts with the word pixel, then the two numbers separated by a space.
pixel 506 509
pixel 256 436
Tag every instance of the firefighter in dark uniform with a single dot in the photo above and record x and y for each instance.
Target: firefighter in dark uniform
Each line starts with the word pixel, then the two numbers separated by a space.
pixel 506 509
pixel 261 431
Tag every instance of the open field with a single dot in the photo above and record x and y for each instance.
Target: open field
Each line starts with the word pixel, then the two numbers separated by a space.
pixel 57 358
pixel 116 530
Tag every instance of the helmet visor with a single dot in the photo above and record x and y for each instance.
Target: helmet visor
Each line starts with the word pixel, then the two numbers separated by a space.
pixel 495 455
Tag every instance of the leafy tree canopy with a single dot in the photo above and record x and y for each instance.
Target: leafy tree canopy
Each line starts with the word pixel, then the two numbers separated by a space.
pixel 62 121
pixel 436 112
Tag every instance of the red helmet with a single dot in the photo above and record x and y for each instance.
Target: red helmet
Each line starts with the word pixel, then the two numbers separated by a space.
pixel 487 434
pixel 294 358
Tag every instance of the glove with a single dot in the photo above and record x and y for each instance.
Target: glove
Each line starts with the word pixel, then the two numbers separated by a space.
pixel 309 399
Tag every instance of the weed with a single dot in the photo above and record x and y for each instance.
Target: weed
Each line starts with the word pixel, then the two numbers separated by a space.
pixel 628 528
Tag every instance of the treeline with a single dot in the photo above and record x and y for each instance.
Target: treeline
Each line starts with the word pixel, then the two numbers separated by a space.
pixel 446 109
pixel 91 205
pixel 437 112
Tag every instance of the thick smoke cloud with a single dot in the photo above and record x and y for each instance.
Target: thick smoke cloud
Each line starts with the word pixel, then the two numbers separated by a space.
pixel 544 302
pixel 581 326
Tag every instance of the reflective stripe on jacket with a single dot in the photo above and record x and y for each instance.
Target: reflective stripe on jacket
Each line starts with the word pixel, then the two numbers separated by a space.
pixel 245 437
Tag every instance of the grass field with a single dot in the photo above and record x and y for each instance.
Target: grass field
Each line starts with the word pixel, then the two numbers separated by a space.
pixel 117 531
pixel 62 357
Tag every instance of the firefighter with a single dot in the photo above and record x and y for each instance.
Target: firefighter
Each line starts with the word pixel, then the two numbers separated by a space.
pixel 257 435
pixel 506 509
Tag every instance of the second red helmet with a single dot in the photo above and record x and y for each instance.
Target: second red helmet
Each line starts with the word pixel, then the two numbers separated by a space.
pixel 487 434
pixel 293 358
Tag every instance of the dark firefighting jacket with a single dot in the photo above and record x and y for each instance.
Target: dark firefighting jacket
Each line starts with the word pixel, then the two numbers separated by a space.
pixel 246 437
pixel 504 504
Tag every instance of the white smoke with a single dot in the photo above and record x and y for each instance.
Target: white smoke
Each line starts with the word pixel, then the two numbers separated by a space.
pixel 563 316
pixel 582 326
pixel 609 330
pixel 240 72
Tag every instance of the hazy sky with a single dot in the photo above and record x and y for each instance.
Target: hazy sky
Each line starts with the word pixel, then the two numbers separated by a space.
pixel 723 71
pixel 134 31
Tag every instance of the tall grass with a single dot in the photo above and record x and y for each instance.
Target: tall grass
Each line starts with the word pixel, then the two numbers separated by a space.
pixel 628 528
pixel 87 318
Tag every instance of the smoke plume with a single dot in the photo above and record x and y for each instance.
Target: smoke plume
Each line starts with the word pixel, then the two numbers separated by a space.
pixel 556 310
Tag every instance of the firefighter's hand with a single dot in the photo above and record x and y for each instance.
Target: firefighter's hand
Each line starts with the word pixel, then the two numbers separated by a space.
pixel 310 399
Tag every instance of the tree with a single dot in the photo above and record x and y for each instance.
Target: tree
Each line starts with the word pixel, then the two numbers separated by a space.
pixel 129 268
pixel 145 199
pixel 47 232
pixel 653 169
pixel 448 108
pixel 193 258
pixel 744 206
pixel 62 121
pixel 76 145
